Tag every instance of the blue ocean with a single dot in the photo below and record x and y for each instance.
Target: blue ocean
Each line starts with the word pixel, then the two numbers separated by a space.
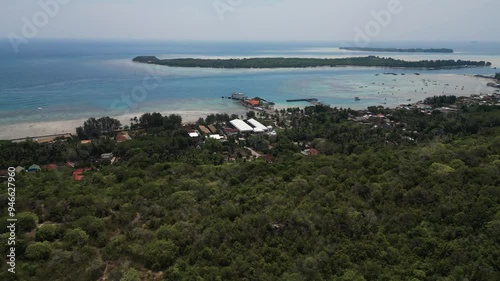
pixel 54 80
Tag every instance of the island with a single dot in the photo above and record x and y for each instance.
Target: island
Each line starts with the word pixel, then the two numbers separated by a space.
pixel 370 61
pixel 314 193
pixel 397 50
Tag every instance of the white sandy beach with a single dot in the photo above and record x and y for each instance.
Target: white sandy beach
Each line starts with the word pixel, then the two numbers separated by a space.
pixel 35 129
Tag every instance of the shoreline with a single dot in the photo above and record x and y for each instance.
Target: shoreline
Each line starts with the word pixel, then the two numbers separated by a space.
pixel 320 67
pixel 45 128
pixel 50 128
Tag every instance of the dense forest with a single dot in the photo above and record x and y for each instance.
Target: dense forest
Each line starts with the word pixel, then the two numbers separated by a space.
pixel 397 50
pixel 418 200
pixel 308 62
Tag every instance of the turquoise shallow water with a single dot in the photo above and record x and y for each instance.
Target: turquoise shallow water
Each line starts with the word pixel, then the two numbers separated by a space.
pixel 63 80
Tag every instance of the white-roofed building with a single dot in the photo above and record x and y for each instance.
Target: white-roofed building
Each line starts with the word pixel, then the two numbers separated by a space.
pixel 258 127
pixel 194 134
pixel 216 137
pixel 241 126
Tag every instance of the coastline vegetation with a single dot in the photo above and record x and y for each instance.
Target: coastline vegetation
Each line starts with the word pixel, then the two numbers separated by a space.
pixel 95 128
pixel 377 204
pixel 497 76
pixel 370 61
pixel 439 101
pixel 397 50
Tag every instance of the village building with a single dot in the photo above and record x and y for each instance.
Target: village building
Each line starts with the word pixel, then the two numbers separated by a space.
pixel 194 134
pixel 121 137
pixel 241 126
pixel 204 130
pixel 216 137
pixel 258 127
pixel 49 167
pixel 253 102
pixel 107 156
pixel 230 131
pixel 78 173
pixel 34 168
pixel 212 129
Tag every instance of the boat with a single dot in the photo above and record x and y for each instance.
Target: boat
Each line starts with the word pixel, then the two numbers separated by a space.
pixel 357 99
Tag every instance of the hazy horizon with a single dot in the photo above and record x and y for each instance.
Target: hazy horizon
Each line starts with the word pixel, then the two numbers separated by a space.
pixel 245 20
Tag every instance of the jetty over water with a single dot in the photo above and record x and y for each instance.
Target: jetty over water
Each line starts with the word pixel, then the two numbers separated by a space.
pixel 313 101
pixel 301 100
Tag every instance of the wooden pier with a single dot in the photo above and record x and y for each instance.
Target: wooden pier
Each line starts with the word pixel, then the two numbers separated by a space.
pixel 301 100
pixel 311 101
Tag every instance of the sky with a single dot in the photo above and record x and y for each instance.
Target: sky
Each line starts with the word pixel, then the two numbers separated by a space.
pixel 252 20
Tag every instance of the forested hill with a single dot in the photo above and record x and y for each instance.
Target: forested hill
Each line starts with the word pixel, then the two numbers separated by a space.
pixel 417 201
pixel 307 62
pixel 397 50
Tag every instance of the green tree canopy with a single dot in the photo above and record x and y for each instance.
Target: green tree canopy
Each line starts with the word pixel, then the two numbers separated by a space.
pixel 27 221
pixel 38 251
pixel 46 232
pixel 159 254
pixel 94 128
pixel 76 237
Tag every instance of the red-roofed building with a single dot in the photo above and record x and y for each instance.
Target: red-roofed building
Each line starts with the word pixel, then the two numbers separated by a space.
pixel 310 152
pixel 313 152
pixel 122 137
pixel 50 167
pixel 230 131
pixel 254 102
pixel 77 174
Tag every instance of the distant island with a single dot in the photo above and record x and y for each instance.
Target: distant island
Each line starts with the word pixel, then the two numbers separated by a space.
pixel 308 62
pixel 396 50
